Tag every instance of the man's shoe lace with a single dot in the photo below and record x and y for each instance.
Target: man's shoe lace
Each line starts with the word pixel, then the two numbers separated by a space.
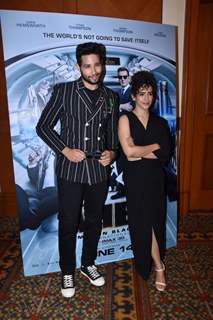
pixel 68 281
pixel 93 272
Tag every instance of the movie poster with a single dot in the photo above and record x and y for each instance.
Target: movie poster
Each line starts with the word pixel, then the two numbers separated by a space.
pixel 39 51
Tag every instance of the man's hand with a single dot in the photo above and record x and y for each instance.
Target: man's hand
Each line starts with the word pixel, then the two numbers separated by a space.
pixel 107 157
pixel 74 155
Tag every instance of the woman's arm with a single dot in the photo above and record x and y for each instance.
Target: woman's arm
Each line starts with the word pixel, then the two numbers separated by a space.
pixel 148 156
pixel 127 143
pixel 164 153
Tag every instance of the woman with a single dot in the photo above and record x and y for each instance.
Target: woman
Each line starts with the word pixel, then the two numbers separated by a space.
pixel 145 141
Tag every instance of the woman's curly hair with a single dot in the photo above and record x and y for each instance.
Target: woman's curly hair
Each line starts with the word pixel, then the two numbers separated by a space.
pixel 144 79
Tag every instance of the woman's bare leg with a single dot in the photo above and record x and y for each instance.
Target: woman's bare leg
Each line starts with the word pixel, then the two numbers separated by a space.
pixel 160 275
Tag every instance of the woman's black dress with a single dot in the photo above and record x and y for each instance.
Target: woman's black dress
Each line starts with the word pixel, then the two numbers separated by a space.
pixel 145 190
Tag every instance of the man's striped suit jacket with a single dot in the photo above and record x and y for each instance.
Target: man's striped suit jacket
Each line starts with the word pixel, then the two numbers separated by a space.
pixel 82 126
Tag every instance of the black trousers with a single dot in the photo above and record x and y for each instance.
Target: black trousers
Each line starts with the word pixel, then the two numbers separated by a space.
pixel 71 196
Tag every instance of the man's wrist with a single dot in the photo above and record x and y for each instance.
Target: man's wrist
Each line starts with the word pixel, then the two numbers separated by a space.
pixel 112 154
pixel 65 151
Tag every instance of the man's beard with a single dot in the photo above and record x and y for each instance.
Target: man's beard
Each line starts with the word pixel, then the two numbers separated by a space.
pixel 93 82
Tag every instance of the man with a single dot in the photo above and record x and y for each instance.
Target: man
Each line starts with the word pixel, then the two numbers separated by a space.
pixel 85 148
pixel 126 103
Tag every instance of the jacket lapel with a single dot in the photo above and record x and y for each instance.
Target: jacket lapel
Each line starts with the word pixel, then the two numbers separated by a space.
pixel 83 96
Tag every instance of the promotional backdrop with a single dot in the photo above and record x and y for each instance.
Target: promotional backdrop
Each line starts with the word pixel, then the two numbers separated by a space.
pixel 39 51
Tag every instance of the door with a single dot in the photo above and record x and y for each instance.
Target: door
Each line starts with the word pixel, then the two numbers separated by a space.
pixel 201 182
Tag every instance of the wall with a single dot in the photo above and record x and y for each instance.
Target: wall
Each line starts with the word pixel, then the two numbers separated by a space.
pixel 174 13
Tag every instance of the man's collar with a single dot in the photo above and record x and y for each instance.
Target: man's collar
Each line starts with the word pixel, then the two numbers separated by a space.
pixel 126 87
pixel 80 83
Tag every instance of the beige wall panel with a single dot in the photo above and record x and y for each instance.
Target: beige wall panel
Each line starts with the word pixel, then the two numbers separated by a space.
pixel 207 174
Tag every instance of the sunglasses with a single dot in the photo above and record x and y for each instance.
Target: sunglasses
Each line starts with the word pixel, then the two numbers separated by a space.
pixel 122 77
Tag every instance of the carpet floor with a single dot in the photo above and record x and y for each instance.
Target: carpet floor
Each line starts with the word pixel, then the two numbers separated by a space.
pixel 189 293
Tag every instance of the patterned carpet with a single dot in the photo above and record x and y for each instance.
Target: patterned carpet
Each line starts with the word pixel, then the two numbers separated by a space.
pixel 189 295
